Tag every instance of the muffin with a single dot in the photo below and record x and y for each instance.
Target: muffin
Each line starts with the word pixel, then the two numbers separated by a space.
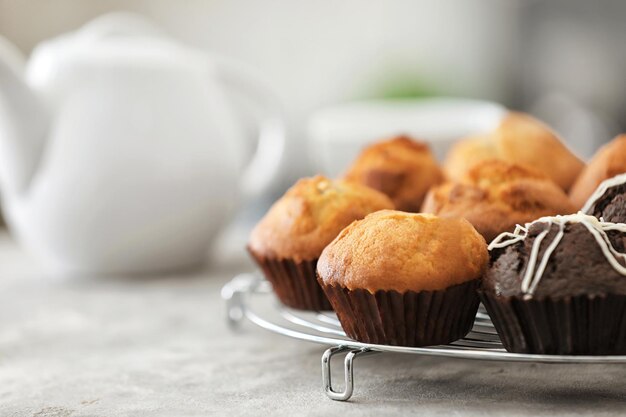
pixel 287 242
pixel 401 168
pixel 558 286
pixel 404 279
pixel 495 195
pixel 609 161
pixel 608 202
pixel 522 140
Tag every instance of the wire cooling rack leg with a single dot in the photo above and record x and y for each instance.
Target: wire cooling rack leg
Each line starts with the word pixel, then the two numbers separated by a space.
pixel 233 293
pixel 347 368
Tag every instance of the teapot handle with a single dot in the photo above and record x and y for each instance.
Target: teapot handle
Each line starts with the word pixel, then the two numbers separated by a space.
pixel 260 172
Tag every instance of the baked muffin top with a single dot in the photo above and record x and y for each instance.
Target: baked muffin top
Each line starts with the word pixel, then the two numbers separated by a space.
pixel 402 168
pixel 467 152
pixel 522 140
pixel 565 259
pixel 609 161
pixel 394 250
pixel 310 215
pixel 495 196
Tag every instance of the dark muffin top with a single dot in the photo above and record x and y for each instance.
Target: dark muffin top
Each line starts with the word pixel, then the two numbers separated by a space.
pixel 609 200
pixel 565 256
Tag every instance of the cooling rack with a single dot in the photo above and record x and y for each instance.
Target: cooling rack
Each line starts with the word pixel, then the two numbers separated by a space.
pixel 249 296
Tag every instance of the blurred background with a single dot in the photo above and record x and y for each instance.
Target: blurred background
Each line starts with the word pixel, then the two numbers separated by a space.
pixel 561 60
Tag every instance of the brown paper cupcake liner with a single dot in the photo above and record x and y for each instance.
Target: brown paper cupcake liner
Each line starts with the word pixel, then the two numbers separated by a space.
pixel 581 325
pixel 295 283
pixel 406 319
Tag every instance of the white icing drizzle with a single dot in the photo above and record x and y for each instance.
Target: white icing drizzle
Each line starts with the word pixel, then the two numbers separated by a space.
pixel 514 237
pixel 602 188
pixel 536 267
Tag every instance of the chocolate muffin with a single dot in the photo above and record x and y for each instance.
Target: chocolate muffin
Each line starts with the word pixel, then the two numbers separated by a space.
pixel 609 161
pixel 402 168
pixel 404 279
pixel 287 242
pixel 522 140
pixel 495 195
pixel 558 286
pixel 608 202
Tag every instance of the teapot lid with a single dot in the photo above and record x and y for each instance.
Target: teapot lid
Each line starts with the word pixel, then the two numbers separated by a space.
pixel 114 39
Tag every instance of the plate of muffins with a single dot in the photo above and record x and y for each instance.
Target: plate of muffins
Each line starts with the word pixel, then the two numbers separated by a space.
pixel 404 250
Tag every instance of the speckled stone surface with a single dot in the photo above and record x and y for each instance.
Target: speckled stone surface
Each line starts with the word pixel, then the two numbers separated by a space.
pixel 87 346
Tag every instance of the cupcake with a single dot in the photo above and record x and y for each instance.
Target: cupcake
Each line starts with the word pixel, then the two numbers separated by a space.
pixel 495 195
pixel 522 140
pixel 609 161
pixel 404 279
pixel 401 168
pixel 558 286
pixel 608 202
pixel 287 242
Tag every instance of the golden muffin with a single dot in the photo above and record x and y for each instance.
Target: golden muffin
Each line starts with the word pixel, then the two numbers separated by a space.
pixel 522 140
pixel 494 196
pixel 383 275
pixel 400 167
pixel 609 161
pixel 287 242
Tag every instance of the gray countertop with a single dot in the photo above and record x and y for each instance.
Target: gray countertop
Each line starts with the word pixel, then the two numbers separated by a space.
pixel 86 346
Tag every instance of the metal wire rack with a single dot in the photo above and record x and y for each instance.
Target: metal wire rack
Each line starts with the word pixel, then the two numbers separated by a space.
pixel 249 296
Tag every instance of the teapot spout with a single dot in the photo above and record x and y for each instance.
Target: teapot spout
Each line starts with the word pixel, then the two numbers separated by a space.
pixel 23 123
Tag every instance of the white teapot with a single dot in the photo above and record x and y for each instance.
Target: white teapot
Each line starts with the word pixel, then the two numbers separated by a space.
pixel 120 151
